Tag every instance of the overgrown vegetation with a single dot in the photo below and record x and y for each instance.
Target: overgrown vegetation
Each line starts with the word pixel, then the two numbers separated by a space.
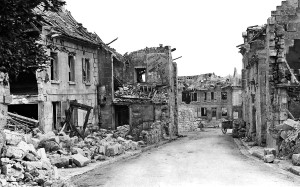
pixel 20 28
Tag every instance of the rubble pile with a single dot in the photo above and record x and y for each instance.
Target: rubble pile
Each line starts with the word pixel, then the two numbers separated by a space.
pixel 288 134
pixel 186 120
pixel 23 164
pixel 33 159
pixel 141 92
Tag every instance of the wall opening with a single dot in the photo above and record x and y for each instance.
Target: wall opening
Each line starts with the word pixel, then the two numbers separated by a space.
pixel 56 107
pixel 54 66
pixel 186 97
pixel 214 112
pixel 26 110
pixel 224 112
pixel 71 63
pixel 224 95
pixel 121 115
pixel 140 75
pixel 203 112
pixel 293 56
pixel 24 84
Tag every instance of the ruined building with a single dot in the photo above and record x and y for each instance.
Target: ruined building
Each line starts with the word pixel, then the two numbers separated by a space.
pixel 72 74
pixel 140 91
pixel 109 90
pixel 209 97
pixel 270 75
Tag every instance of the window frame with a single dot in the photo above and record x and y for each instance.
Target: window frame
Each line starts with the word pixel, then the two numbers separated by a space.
pixel 71 70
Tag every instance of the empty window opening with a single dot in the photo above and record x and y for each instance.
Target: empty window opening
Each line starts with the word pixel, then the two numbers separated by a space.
pixel 194 96
pixel 140 75
pixel 214 112
pixel 71 63
pixel 203 112
pixel 186 97
pixel 54 66
pixel 205 96
pixel 86 73
pixel 121 115
pixel 24 84
pixel 212 95
pixel 224 111
pixel 56 115
pixel 26 110
pixel 224 95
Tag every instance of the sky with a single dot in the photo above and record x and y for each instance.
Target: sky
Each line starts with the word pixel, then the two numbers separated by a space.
pixel 204 32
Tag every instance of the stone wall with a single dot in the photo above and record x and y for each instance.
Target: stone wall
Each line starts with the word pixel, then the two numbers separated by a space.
pixel 186 119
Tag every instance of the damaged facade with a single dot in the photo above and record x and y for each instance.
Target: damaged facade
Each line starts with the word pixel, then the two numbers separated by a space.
pixel 138 89
pixel 270 78
pixel 141 92
pixel 210 97
pixel 71 75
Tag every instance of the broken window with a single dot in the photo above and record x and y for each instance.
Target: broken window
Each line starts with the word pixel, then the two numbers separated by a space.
pixel 224 111
pixel 86 77
pixel 71 63
pixel 186 98
pixel 214 112
pixel 212 94
pixel 140 75
pixel 54 66
pixel 205 96
pixel 194 96
pixel 203 112
pixel 224 95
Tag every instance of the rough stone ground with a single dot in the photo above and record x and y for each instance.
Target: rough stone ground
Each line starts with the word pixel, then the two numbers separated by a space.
pixel 203 158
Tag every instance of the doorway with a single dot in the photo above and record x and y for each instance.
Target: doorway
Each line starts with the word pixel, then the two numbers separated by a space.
pixel 121 115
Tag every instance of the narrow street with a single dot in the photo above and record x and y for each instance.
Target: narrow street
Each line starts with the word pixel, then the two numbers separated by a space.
pixel 203 158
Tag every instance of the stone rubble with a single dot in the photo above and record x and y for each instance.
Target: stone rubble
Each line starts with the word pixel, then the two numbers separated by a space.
pixel 33 159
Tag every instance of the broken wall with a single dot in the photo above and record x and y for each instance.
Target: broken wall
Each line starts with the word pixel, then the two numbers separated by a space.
pixel 160 73
pixel 105 93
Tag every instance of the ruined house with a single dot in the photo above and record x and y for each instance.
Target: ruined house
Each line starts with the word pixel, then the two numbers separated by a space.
pixel 140 91
pixel 71 74
pixel 271 72
pixel 210 97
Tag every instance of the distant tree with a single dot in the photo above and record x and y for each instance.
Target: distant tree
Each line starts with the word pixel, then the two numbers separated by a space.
pixel 19 33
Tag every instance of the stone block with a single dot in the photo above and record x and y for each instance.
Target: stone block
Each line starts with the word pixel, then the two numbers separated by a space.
pixel 26 147
pixel 268 151
pixel 113 150
pixel 42 154
pixel 80 160
pixel 269 158
pixel 273 53
pixel 7 99
pixel 5 161
pixel 9 171
pixel 14 152
pixel 60 161
pixel 13 138
pixel 296 159
pixel 33 165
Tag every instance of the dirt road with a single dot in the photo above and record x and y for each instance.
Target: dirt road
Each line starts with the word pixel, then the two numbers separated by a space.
pixel 202 159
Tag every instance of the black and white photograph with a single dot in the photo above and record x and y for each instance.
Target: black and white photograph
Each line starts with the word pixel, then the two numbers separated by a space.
pixel 140 93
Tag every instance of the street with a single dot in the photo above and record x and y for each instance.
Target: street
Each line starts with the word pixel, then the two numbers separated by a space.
pixel 201 159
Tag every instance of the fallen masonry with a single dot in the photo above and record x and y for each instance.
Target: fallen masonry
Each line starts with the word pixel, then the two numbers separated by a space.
pixel 32 159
